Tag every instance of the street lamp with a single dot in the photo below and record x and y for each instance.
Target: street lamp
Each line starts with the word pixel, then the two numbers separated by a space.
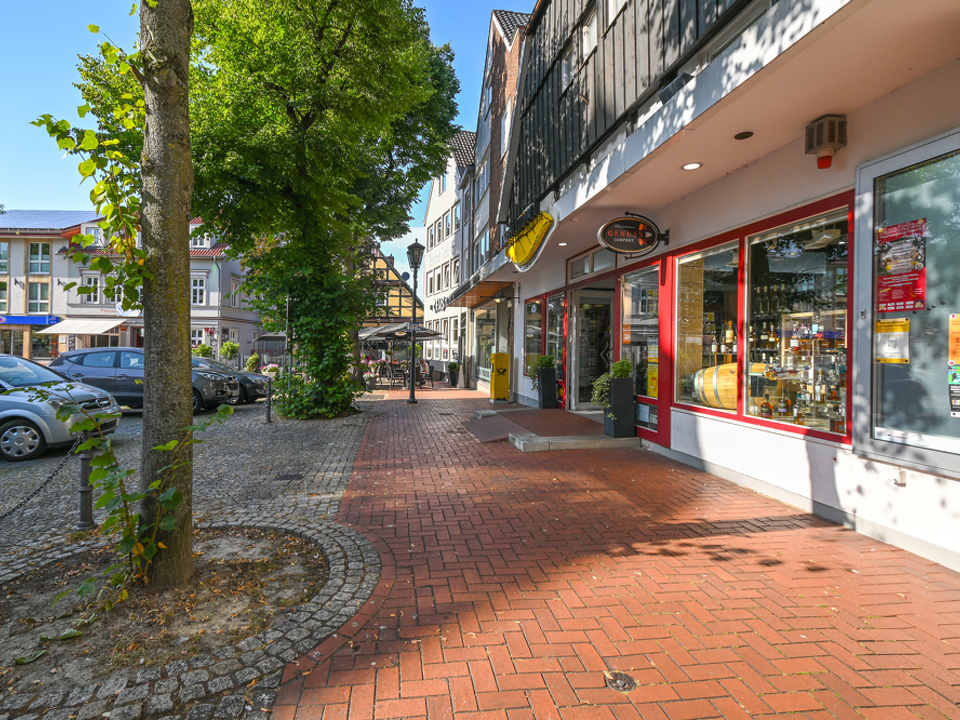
pixel 414 257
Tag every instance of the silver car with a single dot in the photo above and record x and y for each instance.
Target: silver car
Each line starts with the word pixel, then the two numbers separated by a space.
pixel 30 395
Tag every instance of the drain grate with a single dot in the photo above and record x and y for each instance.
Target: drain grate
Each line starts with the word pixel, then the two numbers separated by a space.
pixel 445 413
pixel 289 478
pixel 620 681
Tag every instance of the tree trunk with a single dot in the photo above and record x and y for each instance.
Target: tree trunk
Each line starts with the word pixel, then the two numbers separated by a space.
pixel 167 175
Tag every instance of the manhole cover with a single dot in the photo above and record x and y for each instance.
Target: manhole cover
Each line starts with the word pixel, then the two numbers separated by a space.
pixel 289 478
pixel 620 681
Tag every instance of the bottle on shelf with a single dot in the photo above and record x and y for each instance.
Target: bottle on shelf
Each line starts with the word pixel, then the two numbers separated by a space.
pixel 783 405
pixel 766 408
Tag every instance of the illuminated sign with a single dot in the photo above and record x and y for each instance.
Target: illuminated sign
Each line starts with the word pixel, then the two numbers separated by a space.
pixel 634 235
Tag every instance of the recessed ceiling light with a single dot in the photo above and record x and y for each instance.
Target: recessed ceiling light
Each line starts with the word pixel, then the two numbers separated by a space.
pixel 743 135
pixel 561 244
pixel 693 166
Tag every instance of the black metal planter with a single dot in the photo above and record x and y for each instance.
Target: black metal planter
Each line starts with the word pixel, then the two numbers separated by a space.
pixel 622 409
pixel 454 376
pixel 547 381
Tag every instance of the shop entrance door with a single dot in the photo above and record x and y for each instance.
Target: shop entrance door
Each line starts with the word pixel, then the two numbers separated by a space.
pixel 591 344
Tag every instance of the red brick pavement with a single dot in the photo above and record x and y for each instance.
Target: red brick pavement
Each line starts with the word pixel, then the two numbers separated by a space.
pixel 513 581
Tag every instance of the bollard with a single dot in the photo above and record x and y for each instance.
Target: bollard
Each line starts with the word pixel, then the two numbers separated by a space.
pixel 269 397
pixel 86 491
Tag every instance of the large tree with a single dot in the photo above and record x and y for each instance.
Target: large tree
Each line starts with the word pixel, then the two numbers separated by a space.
pixel 167 186
pixel 314 126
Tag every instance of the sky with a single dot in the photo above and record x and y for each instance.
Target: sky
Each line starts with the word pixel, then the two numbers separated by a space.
pixel 39 44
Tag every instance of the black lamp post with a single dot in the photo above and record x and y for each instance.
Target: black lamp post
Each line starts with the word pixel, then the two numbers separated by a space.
pixel 414 257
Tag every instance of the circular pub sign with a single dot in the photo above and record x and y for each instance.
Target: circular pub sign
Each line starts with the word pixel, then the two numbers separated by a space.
pixel 630 235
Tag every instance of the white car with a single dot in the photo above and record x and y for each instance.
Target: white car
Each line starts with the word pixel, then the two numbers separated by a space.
pixel 30 395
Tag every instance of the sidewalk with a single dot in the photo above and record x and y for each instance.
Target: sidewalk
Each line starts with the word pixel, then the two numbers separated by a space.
pixel 513 582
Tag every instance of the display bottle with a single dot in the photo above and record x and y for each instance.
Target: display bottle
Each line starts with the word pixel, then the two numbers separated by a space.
pixel 798 415
pixel 766 409
pixel 764 336
pixel 783 406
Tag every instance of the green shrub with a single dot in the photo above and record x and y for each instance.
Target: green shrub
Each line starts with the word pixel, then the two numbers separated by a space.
pixel 229 350
pixel 621 368
pixel 452 366
pixel 203 351
pixel 253 363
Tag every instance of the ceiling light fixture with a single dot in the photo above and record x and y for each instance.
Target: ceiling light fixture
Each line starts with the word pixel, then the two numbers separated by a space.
pixel 693 166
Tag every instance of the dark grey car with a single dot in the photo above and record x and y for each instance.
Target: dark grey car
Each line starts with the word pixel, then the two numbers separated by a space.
pixel 252 385
pixel 119 371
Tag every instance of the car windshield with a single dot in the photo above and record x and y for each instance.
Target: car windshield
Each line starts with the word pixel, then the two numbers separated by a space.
pixel 215 364
pixel 18 372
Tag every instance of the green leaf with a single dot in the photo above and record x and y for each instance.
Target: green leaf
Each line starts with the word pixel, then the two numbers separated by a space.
pixel 168 446
pixel 87 168
pixel 29 659
pixel 168 523
pixel 93 28
pixel 70 634
pixel 83 110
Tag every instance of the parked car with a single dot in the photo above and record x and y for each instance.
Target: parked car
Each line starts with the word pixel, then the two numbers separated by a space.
pixel 119 371
pixel 30 395
pixel 252 385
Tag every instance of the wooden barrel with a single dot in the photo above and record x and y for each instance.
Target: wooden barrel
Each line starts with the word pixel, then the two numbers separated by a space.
pixel 717 386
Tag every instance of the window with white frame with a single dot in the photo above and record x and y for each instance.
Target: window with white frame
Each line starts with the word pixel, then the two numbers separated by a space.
pixel 613 9
pixel 589 34
pixel 443 182
pixel 505 121
pixel 456 217
pixel 439 227
pixel 92 282
pixel 198 291
pixel 483 176
pixel 430 237
pixel 447 224
pixel 439 275
pixel 200 240
pixel 456 272
pixel 4 257
pixel 568 65
pixel 38 298
pixel 446 276
pixel 3 296
pixel 196 337
pixel 39 258
pixel 446 336
pixel 235 286
pixel 430 284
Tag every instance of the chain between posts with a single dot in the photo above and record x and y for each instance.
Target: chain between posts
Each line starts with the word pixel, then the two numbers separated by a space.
pixel 46 482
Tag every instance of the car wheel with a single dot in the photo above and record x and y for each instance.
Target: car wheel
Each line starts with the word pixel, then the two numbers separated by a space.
pixel 21 440
pixel 198 404
pixel 240 399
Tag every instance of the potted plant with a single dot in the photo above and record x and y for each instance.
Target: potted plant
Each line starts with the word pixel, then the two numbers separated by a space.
pixel 545 381
pixel 453 371
pixel 270 369
pixel 613 391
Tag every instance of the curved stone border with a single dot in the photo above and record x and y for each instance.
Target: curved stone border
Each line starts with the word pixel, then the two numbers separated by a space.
pixel 218 686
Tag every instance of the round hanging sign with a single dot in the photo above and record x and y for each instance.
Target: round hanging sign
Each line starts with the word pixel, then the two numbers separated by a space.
pixel 630 235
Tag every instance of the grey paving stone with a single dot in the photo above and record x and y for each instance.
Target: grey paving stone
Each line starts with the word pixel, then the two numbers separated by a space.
pixel 127 712
pixel 149 674
pixel 225 667
pixel 17 701
pixel 159 704
pixel 194 677
pixel 111 687
pixel 60 714
pixel 166 687
pixel 230 708
pixel 47 700
pixel 132 694
pixel 80 695
pixel 92 710
pixel 193 692
pixel 177 667
pixel 218 685
pixel 200 712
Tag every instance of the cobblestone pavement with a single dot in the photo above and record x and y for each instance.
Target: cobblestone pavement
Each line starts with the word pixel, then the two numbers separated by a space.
pixel 614 584
pixel 286 476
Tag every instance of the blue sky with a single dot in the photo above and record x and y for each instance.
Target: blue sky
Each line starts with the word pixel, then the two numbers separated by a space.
pixel 39 44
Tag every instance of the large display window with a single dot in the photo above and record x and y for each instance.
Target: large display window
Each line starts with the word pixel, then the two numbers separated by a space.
pixel 640 328
pixel 708 323
pixel 533 335
pixel 909 315
pixel 797 323
pixel 554 338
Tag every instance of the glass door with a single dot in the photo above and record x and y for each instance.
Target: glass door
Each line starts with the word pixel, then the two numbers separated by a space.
pixel 592 344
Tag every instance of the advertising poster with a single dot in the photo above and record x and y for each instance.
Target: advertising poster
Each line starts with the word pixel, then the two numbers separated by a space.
pixel 892 341
pixel 953 387
pixel 953 335
pixel 902 266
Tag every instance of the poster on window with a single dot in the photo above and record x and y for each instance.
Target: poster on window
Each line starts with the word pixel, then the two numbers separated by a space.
pixel 902 267
pixel 892 341
pixel 953 388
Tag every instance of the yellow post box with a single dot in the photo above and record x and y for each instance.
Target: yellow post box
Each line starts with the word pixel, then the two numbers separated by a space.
pixel 500 376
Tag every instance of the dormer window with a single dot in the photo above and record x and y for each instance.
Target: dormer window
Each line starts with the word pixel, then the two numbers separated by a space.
pixel 200 241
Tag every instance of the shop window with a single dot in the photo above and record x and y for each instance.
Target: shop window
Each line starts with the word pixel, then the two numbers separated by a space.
pixel 579 267
pixel 603 260
pixel 4 257
pixel 39 258
pixel 707 322
pixel 486 324
pixel 554 339
pixel 42 347
pixel 38 298
pixel 641 329
pixel 912 360
pixel 797 326
pixel 533 335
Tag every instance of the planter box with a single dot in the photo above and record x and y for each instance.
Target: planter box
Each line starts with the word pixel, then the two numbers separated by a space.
pixel 454 376
pixel 622 407
pixel 547 380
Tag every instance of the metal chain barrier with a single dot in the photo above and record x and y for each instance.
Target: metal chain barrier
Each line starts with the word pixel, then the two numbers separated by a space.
pixel 46 482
